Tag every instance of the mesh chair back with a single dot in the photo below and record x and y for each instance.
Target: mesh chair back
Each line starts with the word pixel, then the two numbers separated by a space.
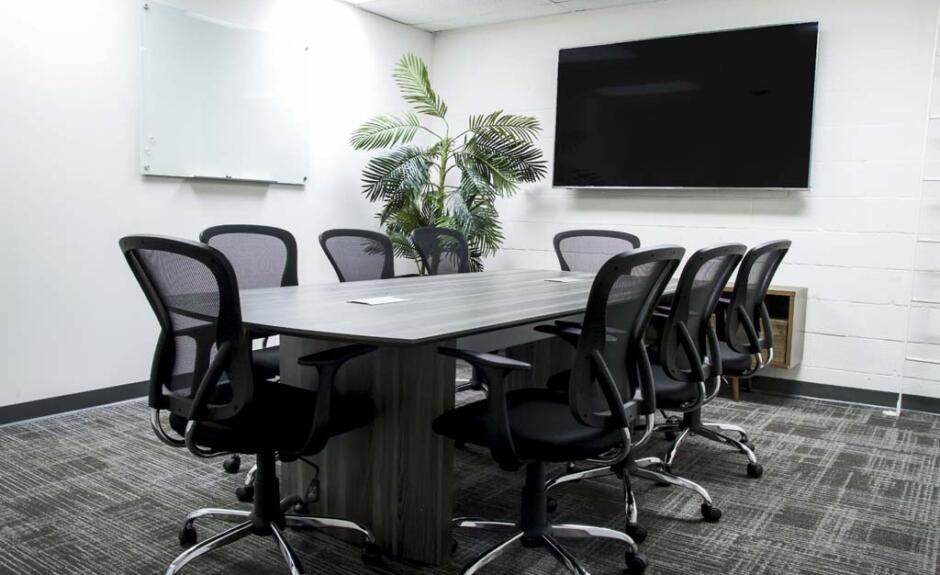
pixel 359 254
pixel 588 250
pixel 194 294
pixel 619 308
pixel 750 288
pixel 262 256
pixel 704 277
pixel 442 250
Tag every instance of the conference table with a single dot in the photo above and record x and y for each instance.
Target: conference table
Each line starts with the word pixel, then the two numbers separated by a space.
pixel 396 475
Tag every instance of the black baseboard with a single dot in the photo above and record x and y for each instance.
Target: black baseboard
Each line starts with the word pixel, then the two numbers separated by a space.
pixel 921 403
pixel 848 394
pixel 64 403
pixel 96 397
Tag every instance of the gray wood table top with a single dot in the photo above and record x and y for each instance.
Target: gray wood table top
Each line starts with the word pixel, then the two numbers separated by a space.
pixel 438 307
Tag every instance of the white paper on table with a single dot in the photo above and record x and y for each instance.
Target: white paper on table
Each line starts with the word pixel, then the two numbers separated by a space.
pixel 377 300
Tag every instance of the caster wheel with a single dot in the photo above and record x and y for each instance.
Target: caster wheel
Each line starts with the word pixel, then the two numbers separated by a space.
pixel 551 505
pixel 635 563
pixel 232 464
pixel 710 513
pixel 670 435
pixel 187 536
pixel 245 493
pixel 636 532
pixel 301 508
pixel 755 470
pixel 372 554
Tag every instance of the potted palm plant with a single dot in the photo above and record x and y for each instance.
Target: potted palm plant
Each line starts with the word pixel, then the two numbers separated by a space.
pixel 452 179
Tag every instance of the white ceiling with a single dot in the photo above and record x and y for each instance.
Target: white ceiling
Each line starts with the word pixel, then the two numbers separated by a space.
pixel 437 15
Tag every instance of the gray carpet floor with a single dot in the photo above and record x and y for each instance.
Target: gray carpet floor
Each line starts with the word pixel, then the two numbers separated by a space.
pixel 845 490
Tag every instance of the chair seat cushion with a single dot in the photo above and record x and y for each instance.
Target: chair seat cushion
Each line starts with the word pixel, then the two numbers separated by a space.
pixel 733 362
pixel 542 426
pixel 280 418
pixel 267 361
pixel 670 394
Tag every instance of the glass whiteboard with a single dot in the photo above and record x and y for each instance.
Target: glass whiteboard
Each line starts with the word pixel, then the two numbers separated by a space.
pixel 221 101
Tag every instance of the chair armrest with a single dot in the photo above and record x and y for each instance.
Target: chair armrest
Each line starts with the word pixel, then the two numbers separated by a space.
pixel 767 326
pixel 327 363
pixel 722 312
pixel 612 332
pixel 691 352
pixel 570 331
pixel 570 334
pixel 480 359
pixel 609 389
pixel 200 408
pixel 200 402
pixel 658 318
pixel 197 331
pixel 491 370
pixel 753 338
pixel 647 382
pixel 714 356
pixel 335 356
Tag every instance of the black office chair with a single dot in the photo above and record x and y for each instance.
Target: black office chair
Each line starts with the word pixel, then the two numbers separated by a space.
pixel 683 331
pixel 745 329
pixel 588 250
pixel 262 257
pixel 746 334
pixel 203 378
pixel 442 250
pixel 610 389
pixel 688 352
pixel 359 254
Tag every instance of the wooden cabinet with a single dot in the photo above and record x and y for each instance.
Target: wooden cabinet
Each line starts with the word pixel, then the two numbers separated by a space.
pixel 787 308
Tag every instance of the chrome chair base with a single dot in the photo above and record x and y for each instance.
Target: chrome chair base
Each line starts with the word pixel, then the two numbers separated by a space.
pixel 548 539
pixel 691 424
pixel 268 518
pixel 247 525
pixel 650 468
pixel 534 530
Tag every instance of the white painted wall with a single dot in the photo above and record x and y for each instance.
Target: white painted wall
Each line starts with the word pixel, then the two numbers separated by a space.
pixel 853 233
pixel 72 317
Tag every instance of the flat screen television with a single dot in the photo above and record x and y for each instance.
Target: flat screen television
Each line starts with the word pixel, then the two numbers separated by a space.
pixel 727 109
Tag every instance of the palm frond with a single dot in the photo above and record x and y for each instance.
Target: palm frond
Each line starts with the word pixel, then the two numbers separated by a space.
pixel 493 169
pixel 405 169
pixel 385 131
pixel 457 208
pixel 510 159
pixel 401 242
pixel 488 230
pixel 524 128
pixel 411 75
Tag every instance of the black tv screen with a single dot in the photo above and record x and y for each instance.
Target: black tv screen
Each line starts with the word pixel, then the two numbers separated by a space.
pixel 719 110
